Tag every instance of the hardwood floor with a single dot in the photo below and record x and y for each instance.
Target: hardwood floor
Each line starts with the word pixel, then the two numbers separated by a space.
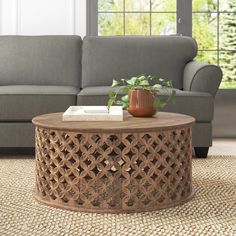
pixel 223 147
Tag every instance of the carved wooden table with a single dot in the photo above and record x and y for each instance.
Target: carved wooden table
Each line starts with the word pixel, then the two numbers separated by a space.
pixel 140 164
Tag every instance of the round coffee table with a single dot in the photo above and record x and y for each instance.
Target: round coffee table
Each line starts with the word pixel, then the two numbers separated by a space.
pixel 140 164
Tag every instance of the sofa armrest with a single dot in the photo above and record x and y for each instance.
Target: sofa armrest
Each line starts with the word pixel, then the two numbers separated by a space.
pixel 202 77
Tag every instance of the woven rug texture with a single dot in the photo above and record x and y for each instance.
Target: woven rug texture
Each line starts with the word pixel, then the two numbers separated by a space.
pixel 211 212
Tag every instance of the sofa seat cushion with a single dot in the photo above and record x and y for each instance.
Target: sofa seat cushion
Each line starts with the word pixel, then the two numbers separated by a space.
pixel 23 102
pixel 197 104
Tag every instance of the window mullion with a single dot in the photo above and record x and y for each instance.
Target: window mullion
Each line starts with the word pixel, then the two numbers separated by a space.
pixel 150 22
pixel 92 18
pixel 184 17
pixel 124 16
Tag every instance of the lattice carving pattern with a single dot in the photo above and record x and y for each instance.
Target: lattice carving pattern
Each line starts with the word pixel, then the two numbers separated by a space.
pixel 118 172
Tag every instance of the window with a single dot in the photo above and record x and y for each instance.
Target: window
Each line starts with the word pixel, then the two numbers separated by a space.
pixel 214 28
pixel 211 22
pixel 136 17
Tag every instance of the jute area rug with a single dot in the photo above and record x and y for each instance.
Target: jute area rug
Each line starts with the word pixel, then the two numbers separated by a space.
pixel 211 212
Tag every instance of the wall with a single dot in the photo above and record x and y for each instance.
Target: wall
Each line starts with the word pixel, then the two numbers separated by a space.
pixel 42 17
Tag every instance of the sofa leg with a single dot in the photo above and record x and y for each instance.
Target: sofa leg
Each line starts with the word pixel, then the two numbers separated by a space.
pixel 201 152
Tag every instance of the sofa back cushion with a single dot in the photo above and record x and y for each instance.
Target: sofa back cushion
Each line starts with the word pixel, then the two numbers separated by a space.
pixel 108 58
pixel 40 60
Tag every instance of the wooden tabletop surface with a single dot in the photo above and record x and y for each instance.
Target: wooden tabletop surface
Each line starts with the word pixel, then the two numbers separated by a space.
pixel 161 121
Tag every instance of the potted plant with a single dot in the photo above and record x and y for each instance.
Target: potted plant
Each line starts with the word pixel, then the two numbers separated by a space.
pixel 141 95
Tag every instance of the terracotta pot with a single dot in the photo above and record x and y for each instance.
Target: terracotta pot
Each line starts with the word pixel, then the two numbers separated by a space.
pixel 141 103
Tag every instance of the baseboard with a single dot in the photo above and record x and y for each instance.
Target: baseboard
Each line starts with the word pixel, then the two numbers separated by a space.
pixel 15 151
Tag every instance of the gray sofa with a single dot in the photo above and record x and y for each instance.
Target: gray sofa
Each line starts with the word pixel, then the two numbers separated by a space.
pixel 42 74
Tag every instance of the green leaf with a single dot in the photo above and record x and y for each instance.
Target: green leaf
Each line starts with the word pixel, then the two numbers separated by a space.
pixel 142 77
pixel 123 104
pixel 110 103
pixel 111 93
pixel 132 81
pixel 169 83
pixel 115 83
pixel 125 101
pixel 157 86
pixel 125 89
pixel 125 98
pixel 144 83
pixel 112 97
pixel 172 97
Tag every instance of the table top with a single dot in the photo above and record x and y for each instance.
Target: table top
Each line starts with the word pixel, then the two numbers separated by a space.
pixel 161 121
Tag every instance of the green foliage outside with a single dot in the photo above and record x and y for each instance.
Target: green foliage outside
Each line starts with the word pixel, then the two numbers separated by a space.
pixel 204 27
pixel 228 85
pixel 228 39
pixel 136 23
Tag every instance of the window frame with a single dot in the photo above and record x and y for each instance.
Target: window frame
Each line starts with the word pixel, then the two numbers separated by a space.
pixel 183 17
pixel 92 18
